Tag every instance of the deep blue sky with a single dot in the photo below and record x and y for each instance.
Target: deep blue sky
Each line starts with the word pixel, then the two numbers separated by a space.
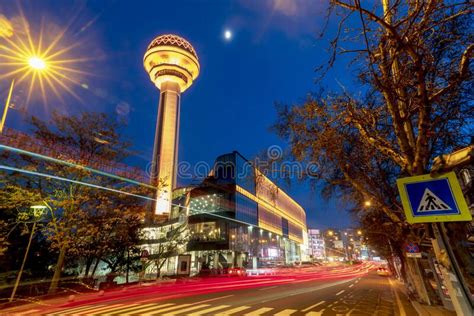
pixel 271 57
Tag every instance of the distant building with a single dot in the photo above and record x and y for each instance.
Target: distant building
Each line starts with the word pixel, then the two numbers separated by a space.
pixel 334 245
pixel 345 244
pixel 354 244
pixel 316 246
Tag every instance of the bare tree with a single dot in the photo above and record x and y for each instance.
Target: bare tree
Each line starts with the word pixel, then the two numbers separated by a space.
pixel 412 101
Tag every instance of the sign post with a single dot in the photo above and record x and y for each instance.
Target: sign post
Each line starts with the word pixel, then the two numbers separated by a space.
pixel 437 199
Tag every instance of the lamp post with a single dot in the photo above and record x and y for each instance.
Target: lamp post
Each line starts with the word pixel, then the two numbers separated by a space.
pixel 35 64
pixel 37 212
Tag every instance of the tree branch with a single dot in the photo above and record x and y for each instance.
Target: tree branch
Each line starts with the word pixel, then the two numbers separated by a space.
pixel 462 73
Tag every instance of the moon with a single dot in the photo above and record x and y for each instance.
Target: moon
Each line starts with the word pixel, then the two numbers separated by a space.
pixel 227 35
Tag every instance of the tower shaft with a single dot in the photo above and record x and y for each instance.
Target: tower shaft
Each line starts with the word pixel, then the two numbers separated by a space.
pixel 165 152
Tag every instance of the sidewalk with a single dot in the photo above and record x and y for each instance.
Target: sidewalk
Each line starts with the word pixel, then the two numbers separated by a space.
pixel 422 310
pixel 431 310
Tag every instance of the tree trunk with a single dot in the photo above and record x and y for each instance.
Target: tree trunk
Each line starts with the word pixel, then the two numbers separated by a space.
pixel 158 269
pixel 88 267
pixel 58 270
pixel 403 270
pixel 95 267
pixel 417 281
pixel 128 264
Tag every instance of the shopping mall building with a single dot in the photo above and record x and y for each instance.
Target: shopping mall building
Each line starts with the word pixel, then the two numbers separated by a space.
pixel 236 217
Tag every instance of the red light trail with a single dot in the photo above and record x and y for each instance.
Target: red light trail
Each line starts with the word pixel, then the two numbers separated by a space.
pixel 200 286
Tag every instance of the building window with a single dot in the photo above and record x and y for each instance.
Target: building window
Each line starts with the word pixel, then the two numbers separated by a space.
pixel 245 209
pixel 284 227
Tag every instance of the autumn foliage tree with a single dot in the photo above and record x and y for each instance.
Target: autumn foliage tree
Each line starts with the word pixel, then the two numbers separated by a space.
pixel 91 216
pixel 411 101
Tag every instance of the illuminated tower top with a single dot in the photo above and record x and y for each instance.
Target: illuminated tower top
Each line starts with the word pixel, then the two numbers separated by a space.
pixel 170 58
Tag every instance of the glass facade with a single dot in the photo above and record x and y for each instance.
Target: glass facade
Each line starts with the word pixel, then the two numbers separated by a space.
pixel 245 174
pixel 285 227
pixel 269 220
pixel 246 210
pixel 224 169
pixel 207 203
pixel 238 217
pixel 294 231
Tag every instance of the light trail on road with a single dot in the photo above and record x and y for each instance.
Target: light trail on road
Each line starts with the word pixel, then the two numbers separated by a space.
pixel 351 290
pixel 194 287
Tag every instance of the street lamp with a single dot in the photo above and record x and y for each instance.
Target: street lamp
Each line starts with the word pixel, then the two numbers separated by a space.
pixel 45 64
pixel 37 212
pixel 368 203
pixel 35 64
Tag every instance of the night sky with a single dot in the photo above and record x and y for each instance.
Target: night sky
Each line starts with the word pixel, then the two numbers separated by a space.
pixel 270 58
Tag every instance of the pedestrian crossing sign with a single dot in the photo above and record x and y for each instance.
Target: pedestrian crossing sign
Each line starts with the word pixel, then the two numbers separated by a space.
pixel 427 199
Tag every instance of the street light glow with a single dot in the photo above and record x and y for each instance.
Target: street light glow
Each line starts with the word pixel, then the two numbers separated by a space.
pixel 368 203
pixel 36 63
pixel 42 61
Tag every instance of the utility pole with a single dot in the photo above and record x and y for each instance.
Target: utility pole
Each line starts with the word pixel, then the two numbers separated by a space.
pixel 443 255
pixel 7 106
pixel 441 246
pixel 18 278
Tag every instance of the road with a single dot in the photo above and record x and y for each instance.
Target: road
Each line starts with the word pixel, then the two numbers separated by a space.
pixel 348 291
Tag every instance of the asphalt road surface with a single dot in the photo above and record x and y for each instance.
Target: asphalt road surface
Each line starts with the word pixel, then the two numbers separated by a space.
pixel 334 292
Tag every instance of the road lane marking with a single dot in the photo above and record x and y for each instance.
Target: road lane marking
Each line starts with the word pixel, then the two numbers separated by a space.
pixel 259 311
pixel 187 309
pixel 340 292
pixel 351 285
pixel 135 307
pixel 214 299
pixel 91 311
pixel 399 302
pixel 267 288
pixel 314 313
pixel 80 308
pixel 234 310
pixel 207 310
pixel 313 306
pixel 152 310
pixel 161 298
pixel 285 312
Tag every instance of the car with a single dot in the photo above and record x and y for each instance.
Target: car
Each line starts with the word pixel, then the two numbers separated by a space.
pixel 382 271
pixel 238 271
